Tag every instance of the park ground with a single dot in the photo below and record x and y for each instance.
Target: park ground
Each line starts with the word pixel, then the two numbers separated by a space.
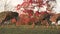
pixel 28 29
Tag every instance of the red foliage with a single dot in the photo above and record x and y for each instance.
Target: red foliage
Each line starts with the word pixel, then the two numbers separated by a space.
pixel 37 13
pixel 24 19
pixel 30 12
pixel 43 13
pixel 30 1
pixel 18 7
pixel 32 19
pixel 13 20
pixel 18 23
pixel 25 4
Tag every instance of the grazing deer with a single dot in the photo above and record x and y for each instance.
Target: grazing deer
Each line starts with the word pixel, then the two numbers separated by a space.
pixel 7 15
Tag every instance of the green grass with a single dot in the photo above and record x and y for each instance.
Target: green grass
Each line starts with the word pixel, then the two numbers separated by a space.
pixel 24 29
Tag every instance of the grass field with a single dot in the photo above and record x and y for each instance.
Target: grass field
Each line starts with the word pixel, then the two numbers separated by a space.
pixel 27 29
